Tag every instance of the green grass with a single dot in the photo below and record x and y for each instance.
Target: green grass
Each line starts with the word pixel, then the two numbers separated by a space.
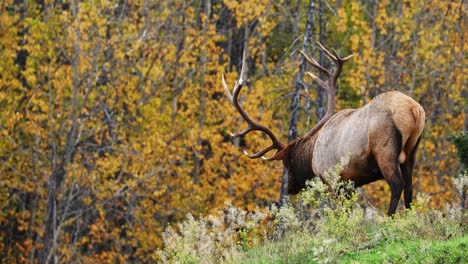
pixel 454 250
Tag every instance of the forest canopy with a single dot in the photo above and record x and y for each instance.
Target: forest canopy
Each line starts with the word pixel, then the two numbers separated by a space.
pixel 114 123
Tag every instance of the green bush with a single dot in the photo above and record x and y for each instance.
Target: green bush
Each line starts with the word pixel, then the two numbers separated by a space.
pixel 461 143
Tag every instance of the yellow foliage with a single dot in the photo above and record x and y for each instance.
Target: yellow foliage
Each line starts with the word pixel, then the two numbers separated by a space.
pixel 128 99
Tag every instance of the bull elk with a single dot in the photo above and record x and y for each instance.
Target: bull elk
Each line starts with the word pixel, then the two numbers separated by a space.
pixel 381 138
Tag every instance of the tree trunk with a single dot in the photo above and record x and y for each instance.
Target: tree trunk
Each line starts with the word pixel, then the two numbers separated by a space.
pixel 296 99
pixel 201 120
pixel 48 253
pixel 463 194
pixel 321 97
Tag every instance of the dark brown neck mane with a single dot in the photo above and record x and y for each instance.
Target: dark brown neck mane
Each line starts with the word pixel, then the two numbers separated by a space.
pixel 299 163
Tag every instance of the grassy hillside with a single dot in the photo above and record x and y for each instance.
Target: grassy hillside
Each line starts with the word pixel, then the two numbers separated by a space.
pixel 306 249
pixel 322 228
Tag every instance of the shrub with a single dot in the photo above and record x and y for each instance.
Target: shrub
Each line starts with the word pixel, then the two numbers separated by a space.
pixel 212 239
pixel 461 143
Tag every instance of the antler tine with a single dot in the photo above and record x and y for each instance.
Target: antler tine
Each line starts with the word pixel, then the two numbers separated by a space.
pixel 252 125
pixel 238 84
pixel 260 153
pixel 243 132
pixel 244 58
pixel 315 64
pixel 345 59
pixel 329 84
pixel 338 58
pixel 226 89
pixel 327 52
pixel 319 81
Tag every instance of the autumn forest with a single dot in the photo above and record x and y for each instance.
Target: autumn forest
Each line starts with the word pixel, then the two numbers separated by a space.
pixel 114 122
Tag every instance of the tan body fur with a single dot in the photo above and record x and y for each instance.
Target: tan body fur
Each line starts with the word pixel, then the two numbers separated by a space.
pixel 380 140
pixel 358 133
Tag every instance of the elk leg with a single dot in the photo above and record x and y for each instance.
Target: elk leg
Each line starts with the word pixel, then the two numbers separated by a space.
pixel 386 153
pixel 396 189
pixel 391 172
pixel 407 173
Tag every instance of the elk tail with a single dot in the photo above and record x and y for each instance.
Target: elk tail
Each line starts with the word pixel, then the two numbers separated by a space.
pixel 413 131
pixel 402 157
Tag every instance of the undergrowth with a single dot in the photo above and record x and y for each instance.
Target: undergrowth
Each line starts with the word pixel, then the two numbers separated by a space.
pixel 326 224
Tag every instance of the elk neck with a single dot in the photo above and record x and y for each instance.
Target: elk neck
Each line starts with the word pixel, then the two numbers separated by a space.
pixel 299 162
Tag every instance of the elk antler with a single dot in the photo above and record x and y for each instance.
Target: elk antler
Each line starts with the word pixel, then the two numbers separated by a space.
pixel 329 84
pixel 252 124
